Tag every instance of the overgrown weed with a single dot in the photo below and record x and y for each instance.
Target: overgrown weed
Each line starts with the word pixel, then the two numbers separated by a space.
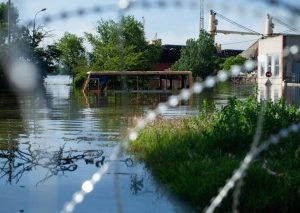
pixel 194 156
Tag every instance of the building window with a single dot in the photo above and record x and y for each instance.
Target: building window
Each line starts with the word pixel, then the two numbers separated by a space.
pixel 269 63
pixel 262 68
pixel 276 65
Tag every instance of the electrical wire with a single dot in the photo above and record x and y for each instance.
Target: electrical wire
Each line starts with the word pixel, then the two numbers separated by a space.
pixel 286 25
pixel 286 31
pixel 235 23
pixel 239 42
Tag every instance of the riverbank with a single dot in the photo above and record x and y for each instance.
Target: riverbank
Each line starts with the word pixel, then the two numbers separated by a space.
pixel 193 157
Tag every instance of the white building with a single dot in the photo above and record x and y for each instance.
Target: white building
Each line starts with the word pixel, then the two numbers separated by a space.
pixel 272 60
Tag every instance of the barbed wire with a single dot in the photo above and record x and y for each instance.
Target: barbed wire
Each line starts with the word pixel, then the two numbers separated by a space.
pixel 88 185
pixel 150 116
pixel 122 5
pixel 158 4
pixel 185 94
pixel 241 171
pixel 173 101
pixel 256 139
pixel 283 4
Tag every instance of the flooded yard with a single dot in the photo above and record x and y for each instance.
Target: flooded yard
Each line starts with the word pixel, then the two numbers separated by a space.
pixel 52 142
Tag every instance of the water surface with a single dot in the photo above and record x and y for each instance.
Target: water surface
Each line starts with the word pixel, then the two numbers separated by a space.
pixel 51 142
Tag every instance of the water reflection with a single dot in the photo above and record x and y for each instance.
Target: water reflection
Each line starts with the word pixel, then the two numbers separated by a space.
pixel 291 93
pixel 16 162
pixel 11 124
pixel 50 144
pixel 141 98
pixel 270 92
pixel 137 184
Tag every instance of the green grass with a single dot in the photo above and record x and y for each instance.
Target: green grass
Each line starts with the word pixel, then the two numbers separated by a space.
pixel 194 157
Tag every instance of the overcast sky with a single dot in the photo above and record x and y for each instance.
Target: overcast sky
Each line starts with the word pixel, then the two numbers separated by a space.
pixel 173 26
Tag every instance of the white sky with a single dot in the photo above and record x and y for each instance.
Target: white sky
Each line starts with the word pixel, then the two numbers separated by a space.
pixel 173 26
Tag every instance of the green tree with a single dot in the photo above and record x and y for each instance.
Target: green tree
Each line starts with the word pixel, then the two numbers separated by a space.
pixel 14 19
pixel 48 58
pixel 233 60
pixel 22 45
pixel 122 46
pixel 198 56
pixel 72 53
pixel 17 36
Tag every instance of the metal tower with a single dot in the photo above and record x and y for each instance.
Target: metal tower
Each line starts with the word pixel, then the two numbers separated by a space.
pixel 8 21
pixel 201 26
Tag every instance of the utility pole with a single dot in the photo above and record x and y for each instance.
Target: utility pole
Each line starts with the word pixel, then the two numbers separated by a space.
pixel 33 29
pixel 201 25
pixel 8 21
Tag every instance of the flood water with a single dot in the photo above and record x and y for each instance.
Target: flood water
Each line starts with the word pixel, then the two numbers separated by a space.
pixel 52 142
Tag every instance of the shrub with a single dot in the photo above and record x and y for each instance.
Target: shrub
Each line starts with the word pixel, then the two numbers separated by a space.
pixel 194 156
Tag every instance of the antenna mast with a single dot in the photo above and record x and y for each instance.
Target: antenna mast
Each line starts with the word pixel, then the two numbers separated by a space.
pixel 201 26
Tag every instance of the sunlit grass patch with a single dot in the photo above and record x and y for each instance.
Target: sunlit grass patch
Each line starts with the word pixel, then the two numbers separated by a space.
pixel 194 156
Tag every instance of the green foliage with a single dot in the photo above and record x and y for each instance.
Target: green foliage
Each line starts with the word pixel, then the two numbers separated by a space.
pixel 198 56
pixel 194 157
pixel 122 46
pixel 233 60
pixel 26 44
pixel 72 53
pixel 47 58
pixel 80 76
pixel 218 63
pixel 14 19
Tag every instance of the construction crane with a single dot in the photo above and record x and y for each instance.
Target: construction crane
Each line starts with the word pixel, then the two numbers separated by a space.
pixel 201 25
pixel 213 22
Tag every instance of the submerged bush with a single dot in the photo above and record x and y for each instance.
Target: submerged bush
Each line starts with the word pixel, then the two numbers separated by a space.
pixel 193 157
pixel 79 79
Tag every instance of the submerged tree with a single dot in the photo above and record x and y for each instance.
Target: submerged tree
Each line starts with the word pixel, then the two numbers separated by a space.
pixel 122 46
pixel 73 53
pixel 198 56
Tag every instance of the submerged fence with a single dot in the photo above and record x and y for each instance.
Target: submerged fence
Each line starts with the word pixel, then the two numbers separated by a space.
pixel 30 74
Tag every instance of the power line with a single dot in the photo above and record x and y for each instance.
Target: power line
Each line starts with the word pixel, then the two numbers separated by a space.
pixel 235 23
pixel 286 25
pixel 239 42
pixel 286 31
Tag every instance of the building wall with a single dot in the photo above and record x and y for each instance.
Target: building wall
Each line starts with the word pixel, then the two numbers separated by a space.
pixel 251 52
pixel 270 58
pixel 161 66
